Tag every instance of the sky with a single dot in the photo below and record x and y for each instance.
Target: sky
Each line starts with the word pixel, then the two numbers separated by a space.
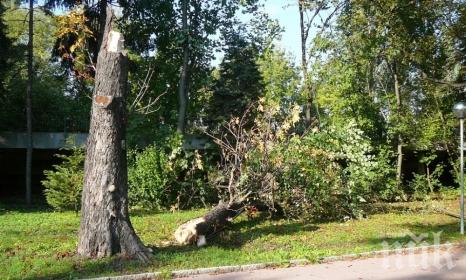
pixel 286 12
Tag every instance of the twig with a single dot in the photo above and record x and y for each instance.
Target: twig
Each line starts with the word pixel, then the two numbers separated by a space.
pixel 144 89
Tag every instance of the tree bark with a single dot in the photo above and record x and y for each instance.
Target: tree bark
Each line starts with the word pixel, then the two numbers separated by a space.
pixel 308 91
pixel 29 103
pixel 105 226
pixel 183 87
pixel 308 106
pixel 399 163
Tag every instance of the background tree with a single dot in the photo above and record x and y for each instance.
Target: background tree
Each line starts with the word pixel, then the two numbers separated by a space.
pixel 94 12
pixel 5 46
pixel 310 11
pixel 239 82
pixel 379 50
pixel 167 39
pixel 183 87
pixel 29 102
pixel 62 100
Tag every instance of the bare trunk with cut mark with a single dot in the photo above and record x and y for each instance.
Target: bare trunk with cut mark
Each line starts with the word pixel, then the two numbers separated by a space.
pixel 105 226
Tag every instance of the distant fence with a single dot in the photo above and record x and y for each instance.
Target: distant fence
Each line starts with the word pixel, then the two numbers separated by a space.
pixel 57 140
pixel 41 140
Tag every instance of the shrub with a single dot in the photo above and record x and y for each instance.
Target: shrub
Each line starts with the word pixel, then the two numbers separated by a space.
pixel 167 176
pixel 63 184
pixel 422 186
pixel 149 177
pixel 385 186
pixel 310 181
pixel 326 175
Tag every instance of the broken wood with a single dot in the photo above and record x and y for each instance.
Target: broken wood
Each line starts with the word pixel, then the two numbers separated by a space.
pixel 199 230
pixel 103 101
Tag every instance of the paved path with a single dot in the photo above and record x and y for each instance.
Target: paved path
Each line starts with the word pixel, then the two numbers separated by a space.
pixel 436 265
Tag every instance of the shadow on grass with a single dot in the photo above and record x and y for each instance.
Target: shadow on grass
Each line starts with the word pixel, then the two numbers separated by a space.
pixel 421 234
pixel 21 207
pixel 395 207
pixel 143 212
pixel 85 268
pixel 241 233
pixel 234 237
pixel 246 231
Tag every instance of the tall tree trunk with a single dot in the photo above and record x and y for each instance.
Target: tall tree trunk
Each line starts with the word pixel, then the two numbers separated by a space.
pixel 105 226
pixel 29 104
pixel 183 87
pixel 399 162
pixel 307 108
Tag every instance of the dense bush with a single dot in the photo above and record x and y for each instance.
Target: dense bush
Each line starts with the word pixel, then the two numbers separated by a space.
pixel 149 178
pixel 310 181
pixel 324 175
pixel 167 176
pixel 63 185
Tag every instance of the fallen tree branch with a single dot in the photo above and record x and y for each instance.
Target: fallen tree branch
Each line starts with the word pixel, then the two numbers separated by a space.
pixel 446 212
pixel 199 230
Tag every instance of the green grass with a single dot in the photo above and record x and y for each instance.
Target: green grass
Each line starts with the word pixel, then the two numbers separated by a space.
pixel 39 244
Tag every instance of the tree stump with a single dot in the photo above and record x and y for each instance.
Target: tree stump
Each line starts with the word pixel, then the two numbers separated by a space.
pixel 105 226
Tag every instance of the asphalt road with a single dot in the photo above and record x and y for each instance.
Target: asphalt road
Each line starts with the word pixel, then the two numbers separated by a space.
pixel 435 265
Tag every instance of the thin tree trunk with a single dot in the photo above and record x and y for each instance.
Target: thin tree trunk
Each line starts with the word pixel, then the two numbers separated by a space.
pixel 399 162
pixel 105 226
pixel 429 182
pixel 307 109
pixel 29 104
pixel 183 87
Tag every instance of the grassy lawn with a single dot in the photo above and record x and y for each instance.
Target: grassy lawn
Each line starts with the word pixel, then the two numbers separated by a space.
pixel 39 244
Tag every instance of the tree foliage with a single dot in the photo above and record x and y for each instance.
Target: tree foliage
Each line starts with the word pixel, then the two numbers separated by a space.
pixel 365 117
pixel 62 101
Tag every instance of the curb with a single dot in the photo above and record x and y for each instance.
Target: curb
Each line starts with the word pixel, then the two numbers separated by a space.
pixel 250 267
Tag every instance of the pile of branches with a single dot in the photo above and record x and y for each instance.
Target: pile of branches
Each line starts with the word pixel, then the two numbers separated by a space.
pixel 240 187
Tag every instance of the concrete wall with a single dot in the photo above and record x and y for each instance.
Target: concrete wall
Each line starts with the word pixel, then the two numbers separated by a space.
pixel 41 140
